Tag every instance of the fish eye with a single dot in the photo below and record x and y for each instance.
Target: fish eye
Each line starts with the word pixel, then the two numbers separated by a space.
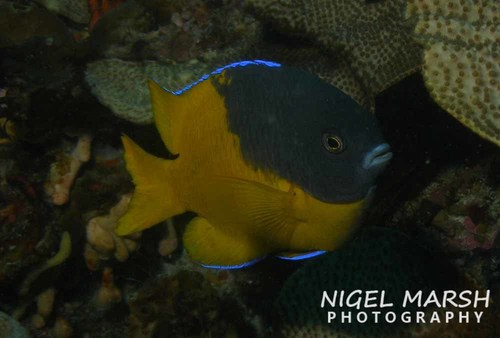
pixel 333 143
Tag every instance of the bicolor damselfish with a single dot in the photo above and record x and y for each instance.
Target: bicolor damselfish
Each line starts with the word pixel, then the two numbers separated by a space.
pixel 272 159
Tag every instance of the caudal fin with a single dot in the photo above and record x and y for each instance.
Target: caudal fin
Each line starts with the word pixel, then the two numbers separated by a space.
pixel 153 200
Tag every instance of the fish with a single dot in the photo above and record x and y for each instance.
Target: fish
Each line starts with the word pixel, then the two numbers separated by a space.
pixel 270 158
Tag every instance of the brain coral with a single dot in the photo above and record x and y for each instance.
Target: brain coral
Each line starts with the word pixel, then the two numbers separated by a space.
pixel 122 85
pixel 371 36
pixel 462 62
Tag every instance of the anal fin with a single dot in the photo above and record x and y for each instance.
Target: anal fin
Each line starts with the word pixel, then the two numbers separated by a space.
pixel 214 248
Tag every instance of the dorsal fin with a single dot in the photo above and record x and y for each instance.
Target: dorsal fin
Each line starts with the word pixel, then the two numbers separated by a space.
pixel 171 109
pixel 176 112
pixel 165 104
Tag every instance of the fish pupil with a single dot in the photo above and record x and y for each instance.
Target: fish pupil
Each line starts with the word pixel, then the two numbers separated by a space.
pixel 332 143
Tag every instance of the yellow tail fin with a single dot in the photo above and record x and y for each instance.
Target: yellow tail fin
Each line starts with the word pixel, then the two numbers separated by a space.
pixel 154 199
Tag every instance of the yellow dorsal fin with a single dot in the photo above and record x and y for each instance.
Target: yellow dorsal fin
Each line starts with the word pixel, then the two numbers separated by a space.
pixel 165 105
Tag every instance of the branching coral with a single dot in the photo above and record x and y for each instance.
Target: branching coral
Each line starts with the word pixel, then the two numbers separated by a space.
pixel 108 293
pixel 462 60
pixel 64 171
pixel 102 241
pixel 169 243
pixel 45 305
pixel 60 257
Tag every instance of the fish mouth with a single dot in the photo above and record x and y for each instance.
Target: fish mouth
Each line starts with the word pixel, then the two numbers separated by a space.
pixel 378 157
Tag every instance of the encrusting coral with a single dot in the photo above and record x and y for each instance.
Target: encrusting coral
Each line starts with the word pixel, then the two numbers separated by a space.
pixel 371 36
pixel 122 85
pixel 63 172
pixel 462 59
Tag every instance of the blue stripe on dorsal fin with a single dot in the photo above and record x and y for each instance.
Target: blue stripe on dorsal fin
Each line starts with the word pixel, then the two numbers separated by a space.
pixel 220 70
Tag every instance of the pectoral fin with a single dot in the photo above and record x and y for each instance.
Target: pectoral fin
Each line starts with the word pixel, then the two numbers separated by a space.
pixel 256 209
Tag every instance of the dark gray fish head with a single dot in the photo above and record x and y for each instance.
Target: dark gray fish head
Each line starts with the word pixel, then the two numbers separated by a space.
pixel 353 150
pixel 305 130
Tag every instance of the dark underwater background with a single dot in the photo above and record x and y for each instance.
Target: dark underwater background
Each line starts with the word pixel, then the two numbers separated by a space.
pixel 73 80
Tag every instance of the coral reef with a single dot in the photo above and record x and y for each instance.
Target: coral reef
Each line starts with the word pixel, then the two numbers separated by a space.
pixel 334 70
pixel 459 213
pixel 177 31
pixel 64 171
pixel 99 8
pixel 185 304
pixel 75 10
pixel 60 257
pixel 10 328
pixel 356 31
pixel 461 60
pixel 7 131
pixel 170 242
pixel 62 328
pixel 21 22
pixel 25 237
pixel 107 293
pixel 190 41
pixel 122 85
pixel 118 30
pixel 67 93
pixel 463 205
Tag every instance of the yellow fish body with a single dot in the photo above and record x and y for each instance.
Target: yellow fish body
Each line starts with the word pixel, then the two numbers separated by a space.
pixel 250 200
